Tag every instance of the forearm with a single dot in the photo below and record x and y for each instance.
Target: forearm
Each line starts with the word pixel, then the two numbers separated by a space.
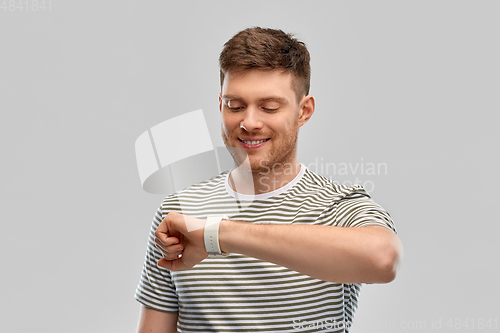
pixel 152 321
pixel 345 255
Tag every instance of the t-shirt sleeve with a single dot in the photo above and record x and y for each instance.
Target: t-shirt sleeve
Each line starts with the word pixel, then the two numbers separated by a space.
pixel 361 211
pixel 156 289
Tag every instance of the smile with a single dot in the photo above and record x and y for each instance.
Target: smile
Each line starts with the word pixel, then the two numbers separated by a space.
pixel 249 144
pixel 253 142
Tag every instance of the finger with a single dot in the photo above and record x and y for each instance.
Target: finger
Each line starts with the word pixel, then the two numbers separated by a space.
pixel 165 227
pixel 170 252
pixel 173 265
pixel 172 256
pixel 160 247
pixel 163 250
pixel 170 248
pixel 166 241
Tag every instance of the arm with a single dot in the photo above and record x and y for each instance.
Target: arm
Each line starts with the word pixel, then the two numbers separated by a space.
pixel 369 254
pixel 152 321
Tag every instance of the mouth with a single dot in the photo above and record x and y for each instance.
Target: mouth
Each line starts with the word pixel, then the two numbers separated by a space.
pixel 250 143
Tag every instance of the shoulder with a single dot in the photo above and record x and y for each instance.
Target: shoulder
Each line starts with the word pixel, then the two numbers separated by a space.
pixel 351 206
pixel 210 188
pixel 315 182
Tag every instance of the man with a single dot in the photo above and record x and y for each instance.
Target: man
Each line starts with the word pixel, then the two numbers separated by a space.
pixel 288 248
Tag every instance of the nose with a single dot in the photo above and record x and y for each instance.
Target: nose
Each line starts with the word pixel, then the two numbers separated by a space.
pixel 251 121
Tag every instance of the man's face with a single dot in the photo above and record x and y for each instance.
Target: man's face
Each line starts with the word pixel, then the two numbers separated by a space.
pixel 260 114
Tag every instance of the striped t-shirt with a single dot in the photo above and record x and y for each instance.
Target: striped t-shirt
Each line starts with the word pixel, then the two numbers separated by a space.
pixel 243 294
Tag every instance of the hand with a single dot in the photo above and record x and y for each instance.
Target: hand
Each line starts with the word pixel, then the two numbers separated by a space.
pixel 180 238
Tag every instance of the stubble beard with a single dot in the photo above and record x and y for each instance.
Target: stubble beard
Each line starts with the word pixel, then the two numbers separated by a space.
pixel 279 158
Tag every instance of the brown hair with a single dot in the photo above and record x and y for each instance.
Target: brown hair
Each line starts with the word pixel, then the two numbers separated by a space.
pixel 267 49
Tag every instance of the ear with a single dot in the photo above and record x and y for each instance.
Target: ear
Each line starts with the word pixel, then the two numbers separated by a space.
pixel 306 109
pixel 220 102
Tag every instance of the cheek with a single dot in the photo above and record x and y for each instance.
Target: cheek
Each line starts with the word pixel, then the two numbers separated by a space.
pixel 224 122
pixel 231 121
pixel 227 124
pixel 288 125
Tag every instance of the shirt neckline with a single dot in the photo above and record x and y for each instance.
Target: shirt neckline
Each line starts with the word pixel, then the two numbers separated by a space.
pixel 267 195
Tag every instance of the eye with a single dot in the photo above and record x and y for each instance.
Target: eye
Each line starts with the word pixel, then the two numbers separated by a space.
pixel 234 106
pixel 270 106
pixel 270 110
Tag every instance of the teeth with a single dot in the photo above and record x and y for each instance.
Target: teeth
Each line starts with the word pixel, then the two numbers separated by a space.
pixel 253 142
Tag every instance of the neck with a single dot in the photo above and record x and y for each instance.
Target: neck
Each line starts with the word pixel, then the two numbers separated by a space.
pixel 246 181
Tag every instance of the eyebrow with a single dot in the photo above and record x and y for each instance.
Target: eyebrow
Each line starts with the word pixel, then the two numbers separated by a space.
pixel 263 99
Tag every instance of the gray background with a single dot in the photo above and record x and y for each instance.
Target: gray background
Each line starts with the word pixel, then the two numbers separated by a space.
pixel 412 84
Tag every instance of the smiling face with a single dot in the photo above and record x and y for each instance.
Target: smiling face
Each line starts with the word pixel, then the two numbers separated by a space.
pixel 261 115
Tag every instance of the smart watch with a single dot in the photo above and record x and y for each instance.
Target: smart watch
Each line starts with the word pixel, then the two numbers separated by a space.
pixel 211 236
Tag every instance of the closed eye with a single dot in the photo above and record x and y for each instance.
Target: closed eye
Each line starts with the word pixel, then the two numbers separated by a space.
pixel 270 110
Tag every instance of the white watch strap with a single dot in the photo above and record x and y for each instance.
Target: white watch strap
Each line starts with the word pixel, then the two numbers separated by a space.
pixel 211 236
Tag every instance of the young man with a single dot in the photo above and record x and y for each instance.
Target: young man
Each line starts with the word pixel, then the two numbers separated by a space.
pixel 270 245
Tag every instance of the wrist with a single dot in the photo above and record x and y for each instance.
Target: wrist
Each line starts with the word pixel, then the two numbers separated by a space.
pixel 211 236
pixel 223 233
pixel 234 236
